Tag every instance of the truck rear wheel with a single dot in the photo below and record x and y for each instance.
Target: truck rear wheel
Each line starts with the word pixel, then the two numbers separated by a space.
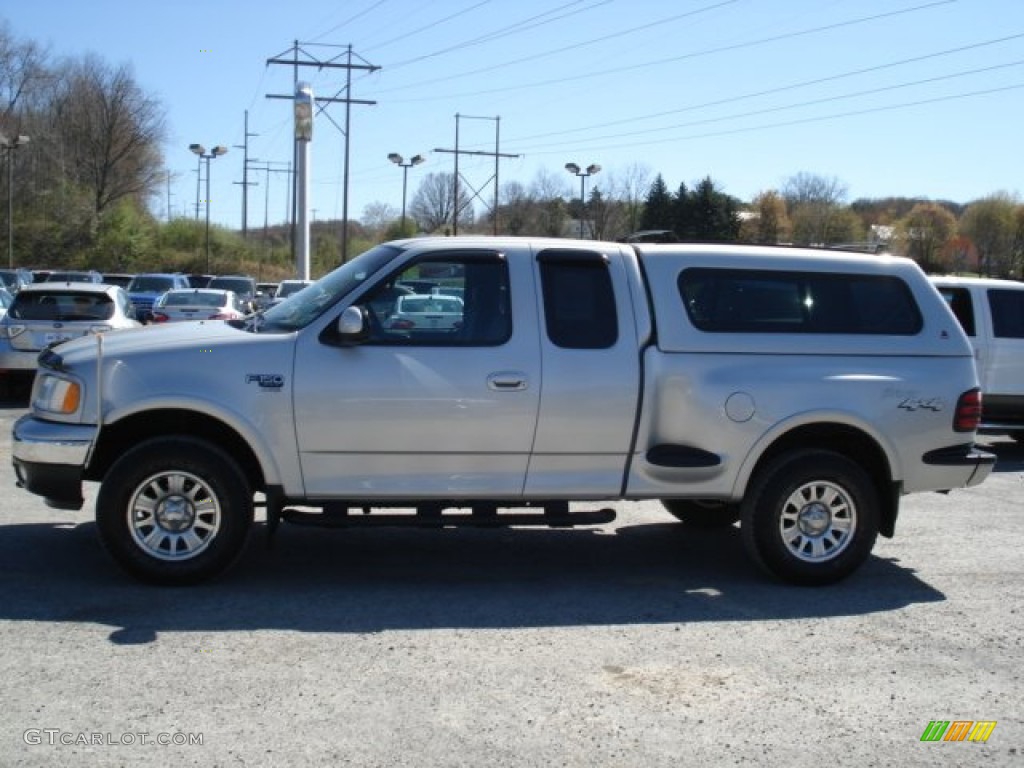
pixel 810 517
pixel 701 513
pixel 174 510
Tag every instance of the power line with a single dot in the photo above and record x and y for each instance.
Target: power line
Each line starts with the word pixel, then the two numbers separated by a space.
pixel 520 26
pixel 770 91
pixel 669 60
pixel 565 49
pixel 798 105
pixel 801 121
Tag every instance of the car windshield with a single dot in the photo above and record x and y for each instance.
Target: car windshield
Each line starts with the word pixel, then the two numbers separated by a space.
pixel 302 308
pixel 240 285
pixel 194 299
pixel 150 284
pixel 63 307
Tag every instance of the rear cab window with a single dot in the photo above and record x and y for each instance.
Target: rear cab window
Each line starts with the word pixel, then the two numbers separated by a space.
pixel 729 300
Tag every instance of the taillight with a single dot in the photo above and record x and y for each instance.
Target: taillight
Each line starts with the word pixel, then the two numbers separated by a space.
pixel 160 317
pixel 402 324
pixel 968 411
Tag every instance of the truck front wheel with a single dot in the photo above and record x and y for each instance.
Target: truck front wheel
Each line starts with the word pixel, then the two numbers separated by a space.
pixel 810 517
pixel 174 510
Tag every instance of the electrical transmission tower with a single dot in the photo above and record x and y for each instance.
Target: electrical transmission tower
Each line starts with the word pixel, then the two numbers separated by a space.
pixel 457 152
pixel 308 60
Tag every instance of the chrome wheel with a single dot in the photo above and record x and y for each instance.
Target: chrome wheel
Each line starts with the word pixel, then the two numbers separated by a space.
pixel 173 516
pixel 818 521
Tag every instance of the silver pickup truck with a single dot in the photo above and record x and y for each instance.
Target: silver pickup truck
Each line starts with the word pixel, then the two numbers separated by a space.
pixel 800 393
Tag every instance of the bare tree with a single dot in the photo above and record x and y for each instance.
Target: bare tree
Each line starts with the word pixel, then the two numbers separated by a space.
pixel 812 201
pixel 433 204
pixel 110 131
pixel 22 66
pixel 636 180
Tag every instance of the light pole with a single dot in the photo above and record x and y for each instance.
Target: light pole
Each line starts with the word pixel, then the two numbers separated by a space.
pixel 591 170
pixel 398 160
pixel 217 151
pixel 9 145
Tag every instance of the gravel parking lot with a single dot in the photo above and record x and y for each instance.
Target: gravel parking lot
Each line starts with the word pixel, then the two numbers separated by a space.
pixel 637 644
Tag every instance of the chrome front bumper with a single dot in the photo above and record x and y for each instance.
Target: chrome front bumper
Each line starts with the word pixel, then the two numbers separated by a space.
pixel 49 459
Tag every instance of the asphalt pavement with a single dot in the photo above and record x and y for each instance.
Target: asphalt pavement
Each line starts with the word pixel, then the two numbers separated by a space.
pixel 635 644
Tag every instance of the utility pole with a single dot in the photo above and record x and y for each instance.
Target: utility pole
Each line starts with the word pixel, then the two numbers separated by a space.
pixel 245 176
pixel 495 154
pixel 333 63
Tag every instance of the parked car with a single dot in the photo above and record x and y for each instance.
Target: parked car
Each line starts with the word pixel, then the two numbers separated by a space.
pixel 14 280
pixel 287 288
pixel 75 276
pixel 146 288
pixel 199 281
pixel 122 279
pixel 46 314
pixel 435 312
pixel 243 285
pixel 991 313
pixel 197 304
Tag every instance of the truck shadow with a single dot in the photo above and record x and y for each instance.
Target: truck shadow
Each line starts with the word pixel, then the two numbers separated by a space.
pixel 372 580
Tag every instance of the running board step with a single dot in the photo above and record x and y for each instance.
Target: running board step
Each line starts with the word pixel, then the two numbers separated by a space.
pixel 431 516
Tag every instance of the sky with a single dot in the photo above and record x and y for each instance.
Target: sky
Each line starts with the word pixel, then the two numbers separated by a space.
pixel 914 98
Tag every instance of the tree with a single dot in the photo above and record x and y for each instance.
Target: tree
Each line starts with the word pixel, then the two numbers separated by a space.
pixel 683 214
pixel 926 230
pixel 812 201
pixel 433 204
pixel 658 211
pixel 634 181
pixel 991 224
pixel 378 216
pixel 714 214
pixel 769 223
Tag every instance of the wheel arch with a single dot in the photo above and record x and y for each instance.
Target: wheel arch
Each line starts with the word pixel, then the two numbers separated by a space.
pixel 855 442
pixel 117 437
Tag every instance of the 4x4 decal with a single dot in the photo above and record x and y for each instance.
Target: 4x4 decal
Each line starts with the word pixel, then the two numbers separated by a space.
pixel 917 404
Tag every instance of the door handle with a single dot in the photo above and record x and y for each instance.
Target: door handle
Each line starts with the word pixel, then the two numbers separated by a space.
pixel 507 381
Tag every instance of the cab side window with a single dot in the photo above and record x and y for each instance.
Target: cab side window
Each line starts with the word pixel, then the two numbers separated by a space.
pixel 579 301
pixel 1007 313
pixel 459 299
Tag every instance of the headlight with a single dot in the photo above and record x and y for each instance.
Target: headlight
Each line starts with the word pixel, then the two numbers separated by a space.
pixel 56 395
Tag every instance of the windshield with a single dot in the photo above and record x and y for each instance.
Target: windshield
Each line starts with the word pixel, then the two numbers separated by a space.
pixel 150 284
pixel 302 308
pixel 240 285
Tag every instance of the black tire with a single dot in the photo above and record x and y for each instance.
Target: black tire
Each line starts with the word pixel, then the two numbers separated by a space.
pixel 703 514
pixel 810 517
pixel 202 496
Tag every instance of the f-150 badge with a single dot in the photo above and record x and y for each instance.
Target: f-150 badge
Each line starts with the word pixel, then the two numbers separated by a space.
pixel 265 380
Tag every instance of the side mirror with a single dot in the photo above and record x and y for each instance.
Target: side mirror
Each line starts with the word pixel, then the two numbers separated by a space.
pixel 353 326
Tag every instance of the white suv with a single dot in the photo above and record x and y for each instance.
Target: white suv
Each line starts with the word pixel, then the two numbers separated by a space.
pixel 991 312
